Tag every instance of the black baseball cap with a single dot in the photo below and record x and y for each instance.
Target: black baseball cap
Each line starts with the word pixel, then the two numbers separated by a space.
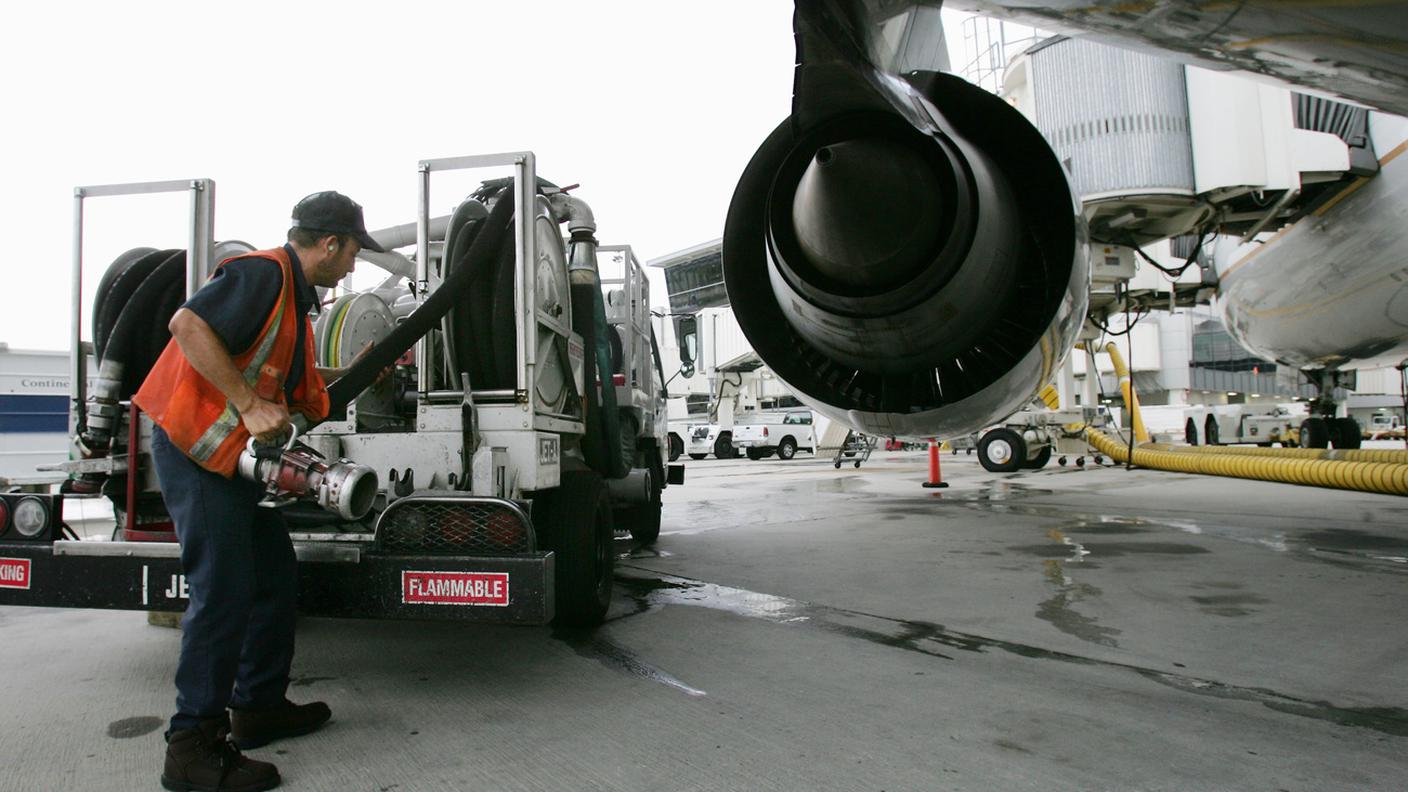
pixel 334 213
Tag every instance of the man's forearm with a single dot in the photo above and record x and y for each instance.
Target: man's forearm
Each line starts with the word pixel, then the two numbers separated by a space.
pixel 208 356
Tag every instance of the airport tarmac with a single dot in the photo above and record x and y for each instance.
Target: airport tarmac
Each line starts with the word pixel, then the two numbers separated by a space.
pixel 799 627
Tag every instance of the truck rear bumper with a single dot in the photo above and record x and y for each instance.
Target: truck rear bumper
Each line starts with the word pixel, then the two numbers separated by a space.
pixel 334 580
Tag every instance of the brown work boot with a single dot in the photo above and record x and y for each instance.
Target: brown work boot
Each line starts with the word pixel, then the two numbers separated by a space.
pixel 253 728
pixel 203 758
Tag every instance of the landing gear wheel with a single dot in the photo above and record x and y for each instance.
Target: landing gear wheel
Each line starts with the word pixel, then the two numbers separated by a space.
pixel 1314 433
pixel 787 448
pixel 1002 451
pixel 1210 431
pixel 1190 432
pixel 1346 433
pixel 1042 457
pixel 575 522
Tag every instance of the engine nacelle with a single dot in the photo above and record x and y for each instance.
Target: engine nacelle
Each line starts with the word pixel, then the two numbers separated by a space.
pixel 908 283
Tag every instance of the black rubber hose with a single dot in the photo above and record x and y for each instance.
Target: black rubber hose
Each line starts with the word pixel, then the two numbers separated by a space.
pixel 617 465
pixel 131 332
pixel 465 225
pixel 150 344
pixel 595 443
pixel 122 277
pixel 503 332
pixel 425 318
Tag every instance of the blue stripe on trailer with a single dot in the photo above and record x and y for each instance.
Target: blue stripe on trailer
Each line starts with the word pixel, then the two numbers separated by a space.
pixel 33 413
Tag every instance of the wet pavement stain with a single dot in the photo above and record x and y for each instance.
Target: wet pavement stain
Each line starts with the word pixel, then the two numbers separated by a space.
pixel 1059 610
pixel 1387 720
pixel 1112 549
pixel 660 589
pixel 1229 604
pixel 586 643
pixel 1348 546
pixel 127 728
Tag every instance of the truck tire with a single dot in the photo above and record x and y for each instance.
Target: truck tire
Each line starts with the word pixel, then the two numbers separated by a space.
pixel 1002 451
pixel 1210 432
pixel 753 454
pixel 1190 432
pixel 723 446
pixel 1314 433
pixel 575 522
pixel 1346 433
pixel 787 448
pixel 697 456
pixel 676 446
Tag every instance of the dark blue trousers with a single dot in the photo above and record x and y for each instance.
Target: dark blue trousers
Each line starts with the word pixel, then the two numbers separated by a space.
pixel 237 634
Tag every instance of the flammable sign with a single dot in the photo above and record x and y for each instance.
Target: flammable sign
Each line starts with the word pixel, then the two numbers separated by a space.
pixel 454 588
pixel 14 573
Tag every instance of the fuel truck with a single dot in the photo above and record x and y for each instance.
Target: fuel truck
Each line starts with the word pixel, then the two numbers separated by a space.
pixel 520 427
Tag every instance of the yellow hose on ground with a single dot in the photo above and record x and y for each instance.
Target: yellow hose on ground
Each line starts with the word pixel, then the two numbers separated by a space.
pixel 1392 456
pixel 1387 478
pixel 1131 399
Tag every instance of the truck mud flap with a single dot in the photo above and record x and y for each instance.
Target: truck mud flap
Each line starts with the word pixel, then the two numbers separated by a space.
pixel 500 590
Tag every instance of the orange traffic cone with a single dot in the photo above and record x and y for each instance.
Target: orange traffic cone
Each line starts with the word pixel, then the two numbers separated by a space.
pixel 936 479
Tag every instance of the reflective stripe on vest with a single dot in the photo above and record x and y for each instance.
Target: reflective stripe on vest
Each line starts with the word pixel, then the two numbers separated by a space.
pixel 210 441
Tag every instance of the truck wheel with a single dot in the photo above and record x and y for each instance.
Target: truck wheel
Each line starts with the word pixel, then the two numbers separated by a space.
pixel 1002 451
pixel 753 454
pixel 787 448
pixel 676 446
pixel 575 522
pixel 1042 457
pixel 1347 433
pixel 1314 433
pixel 723 447
pixel 1190 432
pixel 1210 432
pixel 697 456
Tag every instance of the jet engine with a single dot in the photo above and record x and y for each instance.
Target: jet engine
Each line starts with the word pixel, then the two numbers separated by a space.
pixel 913 264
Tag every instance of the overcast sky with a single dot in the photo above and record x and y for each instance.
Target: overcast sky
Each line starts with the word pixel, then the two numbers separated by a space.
pixel 654 107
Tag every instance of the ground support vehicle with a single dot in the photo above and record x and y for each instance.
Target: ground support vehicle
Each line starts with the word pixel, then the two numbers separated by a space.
pixel 1265 425
pixel 491 467
pixel 1029 439
pixel 709 438
pixel 763 434
pixel 1383 426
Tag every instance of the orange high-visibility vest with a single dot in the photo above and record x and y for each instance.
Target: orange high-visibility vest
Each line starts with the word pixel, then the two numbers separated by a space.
pixel 196 415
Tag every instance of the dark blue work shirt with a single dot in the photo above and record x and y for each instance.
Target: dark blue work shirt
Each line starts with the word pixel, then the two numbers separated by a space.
pixel 238 300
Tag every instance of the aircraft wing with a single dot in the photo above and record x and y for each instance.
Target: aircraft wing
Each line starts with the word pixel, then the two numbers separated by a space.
pixel 1357 49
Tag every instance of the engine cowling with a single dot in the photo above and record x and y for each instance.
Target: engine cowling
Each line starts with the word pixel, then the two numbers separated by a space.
pixel 909 282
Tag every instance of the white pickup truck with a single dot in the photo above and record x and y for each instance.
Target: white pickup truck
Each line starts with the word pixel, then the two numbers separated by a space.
pixel 783 433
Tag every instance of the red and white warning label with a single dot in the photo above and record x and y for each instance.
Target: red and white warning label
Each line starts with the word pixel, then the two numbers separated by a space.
pixel 454 588
pixel 14 573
